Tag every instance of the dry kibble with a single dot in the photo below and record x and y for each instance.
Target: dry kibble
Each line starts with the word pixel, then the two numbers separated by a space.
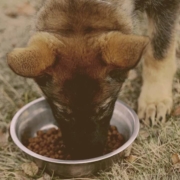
pixel 39 133
pixel 36 146
pixel 49 143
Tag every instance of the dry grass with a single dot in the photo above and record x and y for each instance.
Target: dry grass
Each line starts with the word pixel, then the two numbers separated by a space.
pixel 151 151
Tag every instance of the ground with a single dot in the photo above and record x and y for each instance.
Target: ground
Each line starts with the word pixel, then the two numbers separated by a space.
pixel 155 153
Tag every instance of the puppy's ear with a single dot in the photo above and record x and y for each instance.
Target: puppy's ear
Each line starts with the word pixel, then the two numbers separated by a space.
pixel 122 51
pixel 36 57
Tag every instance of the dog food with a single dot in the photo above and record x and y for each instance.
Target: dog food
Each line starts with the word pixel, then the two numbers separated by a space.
pixel 49 143
pixel 114 140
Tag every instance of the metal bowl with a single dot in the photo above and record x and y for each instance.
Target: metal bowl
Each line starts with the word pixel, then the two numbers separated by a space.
pixel 37 115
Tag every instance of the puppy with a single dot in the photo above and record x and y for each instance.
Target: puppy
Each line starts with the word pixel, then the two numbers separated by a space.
pixel 80 55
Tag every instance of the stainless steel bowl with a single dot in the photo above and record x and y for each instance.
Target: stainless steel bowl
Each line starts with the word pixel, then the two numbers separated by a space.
pixel 37 115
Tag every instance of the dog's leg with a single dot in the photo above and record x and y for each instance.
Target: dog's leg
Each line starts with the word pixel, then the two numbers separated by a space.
pixel 159 65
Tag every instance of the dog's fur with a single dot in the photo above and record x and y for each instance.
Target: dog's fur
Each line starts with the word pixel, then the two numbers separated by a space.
pixel 81 53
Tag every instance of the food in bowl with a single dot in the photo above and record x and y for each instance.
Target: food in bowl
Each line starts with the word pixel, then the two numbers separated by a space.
pixel 37 115
pixel 50 144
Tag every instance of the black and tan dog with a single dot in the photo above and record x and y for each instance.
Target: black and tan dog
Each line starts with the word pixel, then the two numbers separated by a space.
pixel 80 55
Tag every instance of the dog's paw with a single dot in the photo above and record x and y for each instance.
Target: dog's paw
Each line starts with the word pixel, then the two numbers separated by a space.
pixel 154 106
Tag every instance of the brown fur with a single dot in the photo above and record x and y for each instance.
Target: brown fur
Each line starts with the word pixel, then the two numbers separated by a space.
pixel 34 59
pixel 119 50
pixel 62 57
pixel 76 58
pixel 82 16
pixel 80 55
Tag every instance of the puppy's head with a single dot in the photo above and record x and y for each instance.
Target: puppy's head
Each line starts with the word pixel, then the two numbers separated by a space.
pixel 81 78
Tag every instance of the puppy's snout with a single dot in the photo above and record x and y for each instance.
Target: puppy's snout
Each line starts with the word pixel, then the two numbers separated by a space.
pixel 85 151
pixel 84 143
pixel 84 148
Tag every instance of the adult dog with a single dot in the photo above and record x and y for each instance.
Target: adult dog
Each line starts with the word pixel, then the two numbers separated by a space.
pixel 80 55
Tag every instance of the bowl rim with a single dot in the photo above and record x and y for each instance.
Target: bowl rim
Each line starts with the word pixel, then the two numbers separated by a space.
pixel 71 162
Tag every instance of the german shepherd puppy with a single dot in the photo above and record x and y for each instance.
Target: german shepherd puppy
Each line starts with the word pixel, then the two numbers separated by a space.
pixel 80 55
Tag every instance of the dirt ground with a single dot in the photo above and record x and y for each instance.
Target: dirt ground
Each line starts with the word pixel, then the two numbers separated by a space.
pixel 155 154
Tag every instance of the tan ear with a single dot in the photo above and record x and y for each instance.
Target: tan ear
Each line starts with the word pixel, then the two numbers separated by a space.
pixel 34 59
pixel 123 51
